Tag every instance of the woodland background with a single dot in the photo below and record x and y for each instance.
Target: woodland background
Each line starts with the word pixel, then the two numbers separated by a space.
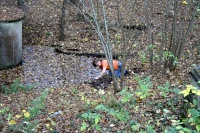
pixel 54 89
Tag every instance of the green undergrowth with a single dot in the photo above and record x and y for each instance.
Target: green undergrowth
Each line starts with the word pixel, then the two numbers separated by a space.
pixel 143 109
pixel 25 121
pixel 16 86
pixel 119 113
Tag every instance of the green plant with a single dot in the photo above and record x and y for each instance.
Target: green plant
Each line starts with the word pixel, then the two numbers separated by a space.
pixel 144 87
pixel 143 57
pixel 193 110
pixel 74 90
pixel 164 89
pixel 38 104
pixel 126 95
pixel 134 126
pixel 117 111
pixel 5 115
pixel 28 123
pixel 84 126
pixel 177 127
pixel 150 129
pixel 16 86
pixel 118 114
pixel 26 126
pixel 92 118
pixel 121 115
pixel 3 110
pixel 168 54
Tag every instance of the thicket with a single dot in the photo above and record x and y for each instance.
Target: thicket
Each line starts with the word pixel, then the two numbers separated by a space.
pixel 167 25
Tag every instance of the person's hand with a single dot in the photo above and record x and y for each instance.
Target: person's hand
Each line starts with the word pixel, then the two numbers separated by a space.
pixel 96 78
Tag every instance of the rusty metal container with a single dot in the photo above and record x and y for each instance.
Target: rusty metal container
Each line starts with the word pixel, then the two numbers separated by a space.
pixel 10 37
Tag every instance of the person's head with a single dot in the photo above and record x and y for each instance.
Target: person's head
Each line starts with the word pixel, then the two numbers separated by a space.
pixel 96 63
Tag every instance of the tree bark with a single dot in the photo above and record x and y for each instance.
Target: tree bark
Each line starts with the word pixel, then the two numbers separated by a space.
pixel 62 21
pixel 21 4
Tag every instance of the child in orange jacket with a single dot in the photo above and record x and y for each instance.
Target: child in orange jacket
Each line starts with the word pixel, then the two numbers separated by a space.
pixel 103 65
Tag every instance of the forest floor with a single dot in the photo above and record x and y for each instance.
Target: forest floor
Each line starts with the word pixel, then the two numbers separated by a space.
pixel 69 78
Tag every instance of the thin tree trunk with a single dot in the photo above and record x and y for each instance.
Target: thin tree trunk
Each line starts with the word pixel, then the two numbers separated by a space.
pixel 105 41
pixel 173 44
pixel 150 39
pixel 62 21
pixel 127 47
pixel 164 36
pixel 188 30
pixel 21 4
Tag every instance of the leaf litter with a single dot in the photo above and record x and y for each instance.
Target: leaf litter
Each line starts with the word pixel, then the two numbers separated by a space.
pixel 66 76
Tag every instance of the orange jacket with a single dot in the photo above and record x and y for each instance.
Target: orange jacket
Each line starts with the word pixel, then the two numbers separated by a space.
pixel 104 64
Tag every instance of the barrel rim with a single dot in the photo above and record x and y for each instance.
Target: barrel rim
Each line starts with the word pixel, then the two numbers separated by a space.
pixel 10 9
pixel 12 21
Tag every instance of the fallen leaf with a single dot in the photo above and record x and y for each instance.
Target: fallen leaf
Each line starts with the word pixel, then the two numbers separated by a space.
pixel 85 39
pixel 12 122
pixel 27 114
pixel 184 2
pixel 47 125
pixel 18 116
pixel 101 92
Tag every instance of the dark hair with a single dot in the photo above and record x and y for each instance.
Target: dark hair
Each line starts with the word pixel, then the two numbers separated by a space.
pixel 94 63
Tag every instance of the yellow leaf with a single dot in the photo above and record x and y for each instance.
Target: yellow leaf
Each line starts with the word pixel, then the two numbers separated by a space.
pixel 139 93
pixel 101 92
pixel 190 87
pixel 53 123
pixel 82 97
pixel 194 91
pixel 18 116
pixel 184 2
pixel 27 114
pixel 12 122
pixel 47 125
pixel 51 89
pixel 118 37
pixel 23 110
pixel 88 101
pixel 52 111
pixel 198 93
pixel 185 92
pixel 85 39
pixel 94 90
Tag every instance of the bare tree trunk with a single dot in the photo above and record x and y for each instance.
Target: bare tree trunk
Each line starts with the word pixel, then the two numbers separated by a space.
pixel 62 21
pixel 126 36
pixel 179 33
pixel 150 34
pixel 73 1
pixel 21 4
pixel 164 35
pixel 187 32
pixel 151 52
